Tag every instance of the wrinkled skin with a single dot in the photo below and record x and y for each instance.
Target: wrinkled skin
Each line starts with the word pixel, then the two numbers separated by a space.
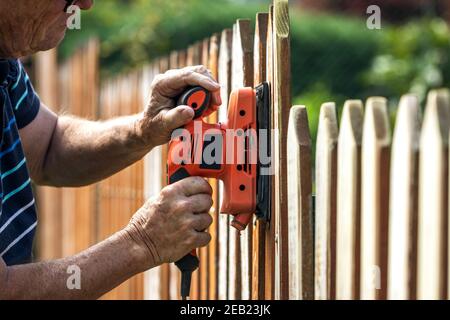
pixel 172 224
pixel 29 26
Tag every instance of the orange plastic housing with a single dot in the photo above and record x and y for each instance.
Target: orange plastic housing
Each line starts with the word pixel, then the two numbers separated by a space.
pixel 236 164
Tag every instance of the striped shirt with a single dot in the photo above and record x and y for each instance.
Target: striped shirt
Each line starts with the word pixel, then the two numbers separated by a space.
pixel 19 106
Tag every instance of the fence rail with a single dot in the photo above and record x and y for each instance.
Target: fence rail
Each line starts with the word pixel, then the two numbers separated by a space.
pixel 377 227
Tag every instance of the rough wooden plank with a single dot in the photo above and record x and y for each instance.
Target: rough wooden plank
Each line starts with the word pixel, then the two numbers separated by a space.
pixel 194 54
pixel 403 209
pixel 301 224
pixel 433 198
pixel 242 76
pixel 213 253
pixel 325 219
pixel 348 220
pixel 49 231
pixel 282 103
pixel 375 200
pixel 182 57
pixel 173 60
pixel 224 77
pixel 259 227
pixel 270 226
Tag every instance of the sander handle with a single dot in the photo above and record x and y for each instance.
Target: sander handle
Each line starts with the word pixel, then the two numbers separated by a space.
pixel 198 98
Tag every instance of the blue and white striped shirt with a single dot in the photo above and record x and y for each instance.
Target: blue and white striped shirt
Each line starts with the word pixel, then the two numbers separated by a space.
pixel 19 106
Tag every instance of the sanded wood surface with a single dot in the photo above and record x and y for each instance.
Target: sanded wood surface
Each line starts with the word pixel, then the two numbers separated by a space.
pixel 375 199
pixel 433 198
pixel 325 216
pixel 403 206
pixel 213 248
pixel 348 219
pixel 270 270
pixel 301 224
pixel 282 103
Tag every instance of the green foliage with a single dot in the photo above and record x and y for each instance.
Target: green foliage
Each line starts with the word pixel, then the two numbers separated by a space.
pixel 333 51
pixel 414 57
pixel 137 31
pixel 313 99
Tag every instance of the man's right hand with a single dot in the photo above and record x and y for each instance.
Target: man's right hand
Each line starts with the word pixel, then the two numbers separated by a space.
pixel 173 224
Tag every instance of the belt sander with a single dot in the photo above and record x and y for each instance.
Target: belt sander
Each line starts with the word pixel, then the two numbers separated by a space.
pixel 229 151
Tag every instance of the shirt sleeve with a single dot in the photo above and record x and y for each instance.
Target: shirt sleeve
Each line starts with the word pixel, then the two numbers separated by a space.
pixel 24 100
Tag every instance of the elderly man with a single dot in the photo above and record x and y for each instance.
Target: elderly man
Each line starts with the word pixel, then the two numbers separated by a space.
pixel 64 151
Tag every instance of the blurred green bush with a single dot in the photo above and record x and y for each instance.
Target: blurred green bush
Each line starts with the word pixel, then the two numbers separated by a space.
pixel 135 32
pixel 334 57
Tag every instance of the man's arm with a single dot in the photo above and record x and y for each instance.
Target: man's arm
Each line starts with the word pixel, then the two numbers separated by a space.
pixel 68 151
pixel 102 268
pixel 163 230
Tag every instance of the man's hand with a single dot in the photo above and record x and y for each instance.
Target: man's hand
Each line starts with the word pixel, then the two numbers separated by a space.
pixel 172 225
pixel 161 116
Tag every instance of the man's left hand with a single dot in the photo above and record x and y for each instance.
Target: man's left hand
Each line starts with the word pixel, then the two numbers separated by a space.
pixel 162 116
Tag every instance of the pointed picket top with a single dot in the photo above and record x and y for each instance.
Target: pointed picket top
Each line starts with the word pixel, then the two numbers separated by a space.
pixel 301 224
pixel 403 201
pixel 281 18
pixel 348 232
pixel 375 199
pixel 281 105
pixel 325 224
pixel 433 198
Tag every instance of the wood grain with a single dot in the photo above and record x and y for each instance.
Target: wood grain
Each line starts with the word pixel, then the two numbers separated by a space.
pixel 375 199
pixel 301 224
pixel 348 220
pixel 282 103
pixel 325 215
pixel 433 198
pixel 224 77
pixel 403 209
pixel 259 226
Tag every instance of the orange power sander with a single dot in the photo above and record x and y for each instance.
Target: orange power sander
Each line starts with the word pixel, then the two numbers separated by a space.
pixel 228 151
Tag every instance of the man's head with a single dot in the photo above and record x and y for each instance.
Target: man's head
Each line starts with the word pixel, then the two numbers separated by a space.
pixel 29 26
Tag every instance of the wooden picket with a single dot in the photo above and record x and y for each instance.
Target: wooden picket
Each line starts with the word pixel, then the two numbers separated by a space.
pixel 402 257
pixel 377 227
pixel 374 199
pixel 433 199
pixel 348 215
pixel 326 175
pixel 301 224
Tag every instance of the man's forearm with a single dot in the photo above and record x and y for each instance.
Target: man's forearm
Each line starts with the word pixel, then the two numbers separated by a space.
pixel 82 152
pixel 102 268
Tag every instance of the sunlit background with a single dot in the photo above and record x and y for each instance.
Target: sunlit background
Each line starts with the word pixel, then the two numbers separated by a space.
pixel 334 56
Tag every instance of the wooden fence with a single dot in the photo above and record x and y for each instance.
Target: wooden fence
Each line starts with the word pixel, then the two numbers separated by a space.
pixel 377 227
